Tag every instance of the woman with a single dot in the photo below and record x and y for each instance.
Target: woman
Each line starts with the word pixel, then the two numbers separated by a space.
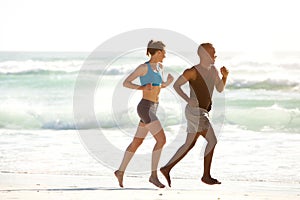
pixel 151 83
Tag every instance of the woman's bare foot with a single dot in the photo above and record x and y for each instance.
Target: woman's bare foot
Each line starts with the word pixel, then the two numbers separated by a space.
pixel 156 182
pixel 210 180
pixel 166 174
pixel 119 176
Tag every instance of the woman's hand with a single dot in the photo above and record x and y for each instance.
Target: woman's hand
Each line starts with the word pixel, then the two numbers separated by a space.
pixel 170 79
pixel 148 86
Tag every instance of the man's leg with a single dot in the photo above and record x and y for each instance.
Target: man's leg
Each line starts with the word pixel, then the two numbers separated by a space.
pixel 211 139
pixel 181 152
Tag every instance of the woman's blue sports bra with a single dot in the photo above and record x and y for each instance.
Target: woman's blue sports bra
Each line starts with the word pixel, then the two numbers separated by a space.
pixel 151 77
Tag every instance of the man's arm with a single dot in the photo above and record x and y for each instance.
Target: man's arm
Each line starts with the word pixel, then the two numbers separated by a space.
pixel 222 82
pixel 183 79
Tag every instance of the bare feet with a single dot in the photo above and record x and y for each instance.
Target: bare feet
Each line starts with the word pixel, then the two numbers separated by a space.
pixel 166 174
pixel 156 182
pixel 210 180
pixel 119 176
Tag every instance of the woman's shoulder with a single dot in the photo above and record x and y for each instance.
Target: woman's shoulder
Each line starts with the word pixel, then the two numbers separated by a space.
pixel 142 66
pixel 142 69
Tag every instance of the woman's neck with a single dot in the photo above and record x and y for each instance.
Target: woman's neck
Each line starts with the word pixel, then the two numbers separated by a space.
pixel 153 60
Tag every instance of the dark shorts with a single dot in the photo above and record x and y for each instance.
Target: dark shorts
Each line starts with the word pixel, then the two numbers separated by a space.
pixel 147 111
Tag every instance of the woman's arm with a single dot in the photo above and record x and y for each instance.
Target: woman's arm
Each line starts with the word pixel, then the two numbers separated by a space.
pixel 170 79
pixel 139 71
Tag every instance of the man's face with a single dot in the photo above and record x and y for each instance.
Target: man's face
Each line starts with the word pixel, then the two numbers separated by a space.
pixel 211 53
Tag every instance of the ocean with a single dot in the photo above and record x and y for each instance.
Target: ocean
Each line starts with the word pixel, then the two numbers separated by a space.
pixel 257 117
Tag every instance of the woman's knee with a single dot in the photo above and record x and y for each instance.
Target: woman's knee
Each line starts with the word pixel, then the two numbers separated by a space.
pixel 161 140
pixel 136 142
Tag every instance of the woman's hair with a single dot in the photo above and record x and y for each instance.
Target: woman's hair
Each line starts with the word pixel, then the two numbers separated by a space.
pixel 154 46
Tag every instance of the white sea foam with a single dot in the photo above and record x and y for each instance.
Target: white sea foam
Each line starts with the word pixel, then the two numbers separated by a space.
pixel 37 91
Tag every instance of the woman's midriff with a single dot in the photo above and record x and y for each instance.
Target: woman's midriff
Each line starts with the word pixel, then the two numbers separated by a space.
pixel 152 95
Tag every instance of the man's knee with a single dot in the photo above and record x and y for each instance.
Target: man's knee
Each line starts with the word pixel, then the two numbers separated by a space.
pixel 209 136
pixel 212 141
pixel 191 145
pixel 188 145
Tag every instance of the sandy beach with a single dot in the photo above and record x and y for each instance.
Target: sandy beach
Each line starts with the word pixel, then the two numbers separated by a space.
pixel 62 169
pixel 37 186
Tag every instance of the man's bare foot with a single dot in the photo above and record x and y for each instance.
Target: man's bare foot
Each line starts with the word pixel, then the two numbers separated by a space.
pixel 156 182
pixel 216 180
pixel 166 174
pixel 210 180
pixel 119 176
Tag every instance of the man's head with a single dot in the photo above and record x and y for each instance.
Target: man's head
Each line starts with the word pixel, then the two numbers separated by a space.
pixel 206 52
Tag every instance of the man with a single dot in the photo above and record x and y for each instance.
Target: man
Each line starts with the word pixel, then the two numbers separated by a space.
pixel 202 78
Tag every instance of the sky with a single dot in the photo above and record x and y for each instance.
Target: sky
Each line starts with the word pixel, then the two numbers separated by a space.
pixel 82 25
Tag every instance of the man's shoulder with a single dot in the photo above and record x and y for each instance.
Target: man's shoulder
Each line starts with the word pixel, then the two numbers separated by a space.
pixel 214 70
pixel 213 67
pixel 191 69
pixel 190 73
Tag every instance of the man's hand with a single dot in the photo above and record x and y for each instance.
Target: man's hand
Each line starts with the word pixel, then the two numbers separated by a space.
pixel 193 102
pixel 224 71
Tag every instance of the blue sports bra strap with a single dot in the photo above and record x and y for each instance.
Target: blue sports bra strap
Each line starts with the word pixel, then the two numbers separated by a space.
pixel 148 64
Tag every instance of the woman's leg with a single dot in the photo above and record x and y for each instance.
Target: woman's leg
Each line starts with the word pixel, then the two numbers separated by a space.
pixel 158 133
pixel 138 139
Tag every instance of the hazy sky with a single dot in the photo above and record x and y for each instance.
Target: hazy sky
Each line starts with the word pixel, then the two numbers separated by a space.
pixel 232 25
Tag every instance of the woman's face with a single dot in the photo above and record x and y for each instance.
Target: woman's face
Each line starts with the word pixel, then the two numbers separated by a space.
pixel 161 54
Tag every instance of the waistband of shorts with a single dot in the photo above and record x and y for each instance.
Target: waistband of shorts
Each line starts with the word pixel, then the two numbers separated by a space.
pixel 197 108
pixel 148 102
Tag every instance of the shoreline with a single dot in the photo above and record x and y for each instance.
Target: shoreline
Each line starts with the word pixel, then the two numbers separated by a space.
pixel 55 165
pixel 46 186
